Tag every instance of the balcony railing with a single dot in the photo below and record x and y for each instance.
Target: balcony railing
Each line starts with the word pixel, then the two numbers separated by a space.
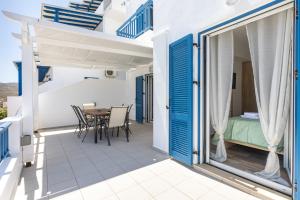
pixel 4 140
pixel 140 22
pixel 71 17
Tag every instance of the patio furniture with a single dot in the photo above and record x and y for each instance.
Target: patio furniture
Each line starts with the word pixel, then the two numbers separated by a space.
pixel 79 121
pixel 126 123
pixel 117 118
pixel 87 106
pixel 100 115
pixel 127 119
pixel 91 105
pixel 84 121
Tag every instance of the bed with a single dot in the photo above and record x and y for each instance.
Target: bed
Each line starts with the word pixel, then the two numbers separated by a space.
pixel 246 132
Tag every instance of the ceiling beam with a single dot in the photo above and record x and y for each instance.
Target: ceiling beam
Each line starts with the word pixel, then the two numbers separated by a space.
pixel 71 62
pixel 105 49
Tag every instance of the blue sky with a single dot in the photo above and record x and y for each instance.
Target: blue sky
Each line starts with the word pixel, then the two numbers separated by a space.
pixel 9 46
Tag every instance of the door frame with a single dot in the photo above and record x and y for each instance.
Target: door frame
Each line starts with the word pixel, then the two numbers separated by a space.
pixel 203 100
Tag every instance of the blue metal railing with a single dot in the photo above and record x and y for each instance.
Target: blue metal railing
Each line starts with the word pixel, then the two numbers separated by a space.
pixel 4 140
pixel 72 17
pixel 139 23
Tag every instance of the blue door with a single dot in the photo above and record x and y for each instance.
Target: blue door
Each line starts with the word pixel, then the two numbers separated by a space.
pixel 181 99
pixel 139 109
pixel 297 107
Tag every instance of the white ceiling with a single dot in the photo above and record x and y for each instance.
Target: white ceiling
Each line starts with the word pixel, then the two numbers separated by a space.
pixel 63 45
pixel 241 46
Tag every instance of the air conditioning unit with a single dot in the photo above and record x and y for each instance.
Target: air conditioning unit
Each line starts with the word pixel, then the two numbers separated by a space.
pixel 110 73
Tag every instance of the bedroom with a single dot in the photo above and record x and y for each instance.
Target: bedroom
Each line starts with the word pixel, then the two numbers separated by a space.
pixel 249 98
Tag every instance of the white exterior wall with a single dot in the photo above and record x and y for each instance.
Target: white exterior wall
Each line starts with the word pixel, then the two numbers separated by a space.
pixel 11 167
pixel 181 18
pixel 113 16
pixel 132 85
pixel 14 105
pixel 66 76
pixel 132 6
pixel 54 106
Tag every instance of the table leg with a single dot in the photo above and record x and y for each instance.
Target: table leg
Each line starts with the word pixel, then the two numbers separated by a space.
pixel 96 138
pixel 100 131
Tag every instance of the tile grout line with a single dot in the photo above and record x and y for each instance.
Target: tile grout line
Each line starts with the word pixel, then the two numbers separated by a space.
pixel 70 165
pixel 100 174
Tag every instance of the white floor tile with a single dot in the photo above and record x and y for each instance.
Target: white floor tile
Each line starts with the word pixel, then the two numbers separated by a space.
pixel 193 189
pixel 134 193
pixel 96 191
pixel 173 194
pixel 141 175
pixel 121 182
pixel 155 186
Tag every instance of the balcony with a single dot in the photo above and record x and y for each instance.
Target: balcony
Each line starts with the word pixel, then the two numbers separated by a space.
pixel 139 23
pixel 4 140
pixel 67 169
pixel 71 17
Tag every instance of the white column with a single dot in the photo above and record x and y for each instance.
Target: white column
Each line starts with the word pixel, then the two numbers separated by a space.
pixel 161 91
pixel 35 97
pixel 27 92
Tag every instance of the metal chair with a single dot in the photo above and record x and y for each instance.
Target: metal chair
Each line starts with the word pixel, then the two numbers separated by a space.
pixel 85 123
pixel 126 123
pixel 116 119
pixel 79 121
pixel 127 118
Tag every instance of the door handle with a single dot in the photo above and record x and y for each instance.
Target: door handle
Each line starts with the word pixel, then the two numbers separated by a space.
pixel 167 107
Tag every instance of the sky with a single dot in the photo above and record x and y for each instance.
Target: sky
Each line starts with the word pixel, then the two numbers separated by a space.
pixel 9 46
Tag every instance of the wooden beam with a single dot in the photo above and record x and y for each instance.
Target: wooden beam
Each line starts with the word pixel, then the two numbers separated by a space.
pixel 105 49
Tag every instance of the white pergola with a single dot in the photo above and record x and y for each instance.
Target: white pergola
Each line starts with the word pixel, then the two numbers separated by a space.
pixel 62 45
pixel 58 45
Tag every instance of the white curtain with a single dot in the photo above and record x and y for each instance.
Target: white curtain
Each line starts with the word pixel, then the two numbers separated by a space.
pixel 270 43
pixel 221 72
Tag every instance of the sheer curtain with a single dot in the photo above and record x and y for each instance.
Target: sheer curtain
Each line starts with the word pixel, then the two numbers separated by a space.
pixel 270 43
pixel 221 72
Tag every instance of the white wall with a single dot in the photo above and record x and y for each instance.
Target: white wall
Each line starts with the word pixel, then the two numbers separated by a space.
pixel 54 106
pixel 160 92
pixel 14 105
pixel 181 18
pixel 132 85
pixel 11 167
pixel 113 16
pixel 132 6
pixel 65 76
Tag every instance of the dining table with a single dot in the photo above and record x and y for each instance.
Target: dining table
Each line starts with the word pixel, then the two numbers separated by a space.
pixel 98 114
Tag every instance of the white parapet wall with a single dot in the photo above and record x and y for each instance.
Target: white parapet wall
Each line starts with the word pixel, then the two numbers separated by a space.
pixel 14 104
pixel 11 167
pixel 54 106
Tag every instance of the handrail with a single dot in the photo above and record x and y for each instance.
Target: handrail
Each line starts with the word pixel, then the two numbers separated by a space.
pixel 140 22
pixel 71 16
pixel 4 149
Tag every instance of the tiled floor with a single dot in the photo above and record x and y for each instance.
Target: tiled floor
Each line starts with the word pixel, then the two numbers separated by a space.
pixel 67 169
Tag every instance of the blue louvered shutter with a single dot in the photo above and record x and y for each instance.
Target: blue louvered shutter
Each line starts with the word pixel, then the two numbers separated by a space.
pixel 181 99
pixel 297 110
pixel 139 99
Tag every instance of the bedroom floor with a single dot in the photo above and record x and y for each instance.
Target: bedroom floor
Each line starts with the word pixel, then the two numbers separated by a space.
pixel 248 159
